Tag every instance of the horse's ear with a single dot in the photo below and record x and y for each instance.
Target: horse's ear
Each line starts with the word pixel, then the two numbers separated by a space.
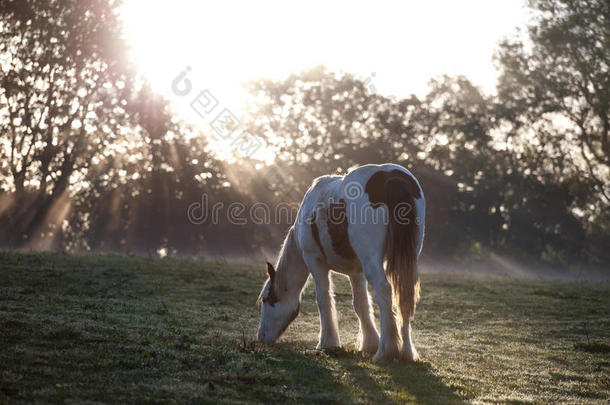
pixel 270 271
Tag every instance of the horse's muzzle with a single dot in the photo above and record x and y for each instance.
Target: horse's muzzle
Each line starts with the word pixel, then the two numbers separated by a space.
pixel 265 337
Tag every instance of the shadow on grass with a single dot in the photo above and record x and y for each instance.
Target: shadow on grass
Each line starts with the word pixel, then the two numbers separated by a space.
pixel 360 381
pixel 422 384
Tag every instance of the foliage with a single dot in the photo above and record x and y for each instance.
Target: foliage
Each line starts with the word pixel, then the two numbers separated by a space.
pixel 63 88
pixel 558 84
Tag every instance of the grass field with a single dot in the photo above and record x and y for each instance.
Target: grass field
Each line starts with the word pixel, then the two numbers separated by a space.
pixel 129 329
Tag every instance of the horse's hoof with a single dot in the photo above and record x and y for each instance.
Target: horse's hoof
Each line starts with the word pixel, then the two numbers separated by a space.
pixel 331 344
pixel 409 356
pixel 384 357
pixel 369 348
pixel 369 345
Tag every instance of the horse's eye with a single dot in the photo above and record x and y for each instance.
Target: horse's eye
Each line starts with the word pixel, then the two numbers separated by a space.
pixel 270 299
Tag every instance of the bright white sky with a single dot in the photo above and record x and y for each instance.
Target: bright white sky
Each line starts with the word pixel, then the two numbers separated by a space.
pixel 403 43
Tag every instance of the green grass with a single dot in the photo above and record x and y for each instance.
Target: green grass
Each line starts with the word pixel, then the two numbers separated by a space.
pixel 129 329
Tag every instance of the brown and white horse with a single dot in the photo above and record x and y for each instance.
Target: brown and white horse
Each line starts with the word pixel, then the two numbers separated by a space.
pixel 352 224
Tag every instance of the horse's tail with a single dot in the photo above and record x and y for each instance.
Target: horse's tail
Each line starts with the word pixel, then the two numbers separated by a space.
pixel 401 246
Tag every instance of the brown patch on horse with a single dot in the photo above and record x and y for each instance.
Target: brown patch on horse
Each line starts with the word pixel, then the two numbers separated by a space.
pixel 376 186
pixel 316 233
pixel 337 229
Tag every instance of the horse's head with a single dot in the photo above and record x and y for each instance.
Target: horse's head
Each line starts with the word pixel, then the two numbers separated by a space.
pixel 278 308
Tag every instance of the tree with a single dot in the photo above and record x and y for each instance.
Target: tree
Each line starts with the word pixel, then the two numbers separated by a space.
pixel 328 122
pixel 558 85
pixel 138 198
pixel 64 82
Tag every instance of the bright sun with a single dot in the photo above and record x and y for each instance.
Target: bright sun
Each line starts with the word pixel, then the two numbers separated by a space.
pixel 404 43
pixel 400 45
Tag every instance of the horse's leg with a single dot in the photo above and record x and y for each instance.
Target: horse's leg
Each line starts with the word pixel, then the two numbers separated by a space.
pixel 389 343
pixel 329 329
pixel 367 236
pixel 408 351
pixel 368 337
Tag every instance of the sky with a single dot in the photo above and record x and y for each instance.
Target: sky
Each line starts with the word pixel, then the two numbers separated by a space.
pixel 398 46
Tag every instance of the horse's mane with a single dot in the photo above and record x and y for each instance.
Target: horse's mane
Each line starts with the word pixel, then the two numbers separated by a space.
pixel 288 258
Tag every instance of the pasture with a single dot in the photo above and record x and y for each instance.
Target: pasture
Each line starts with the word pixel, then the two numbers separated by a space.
pixel 130 329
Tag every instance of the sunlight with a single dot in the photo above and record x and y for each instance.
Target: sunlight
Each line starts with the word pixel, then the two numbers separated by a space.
pixel 397 47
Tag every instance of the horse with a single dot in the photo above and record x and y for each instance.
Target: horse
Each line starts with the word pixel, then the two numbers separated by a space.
pixel 353 224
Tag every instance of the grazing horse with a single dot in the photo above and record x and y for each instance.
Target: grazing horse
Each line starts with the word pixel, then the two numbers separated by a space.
pixel 352 224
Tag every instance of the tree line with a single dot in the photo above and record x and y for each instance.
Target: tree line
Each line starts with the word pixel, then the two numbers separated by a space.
pixel 93 159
